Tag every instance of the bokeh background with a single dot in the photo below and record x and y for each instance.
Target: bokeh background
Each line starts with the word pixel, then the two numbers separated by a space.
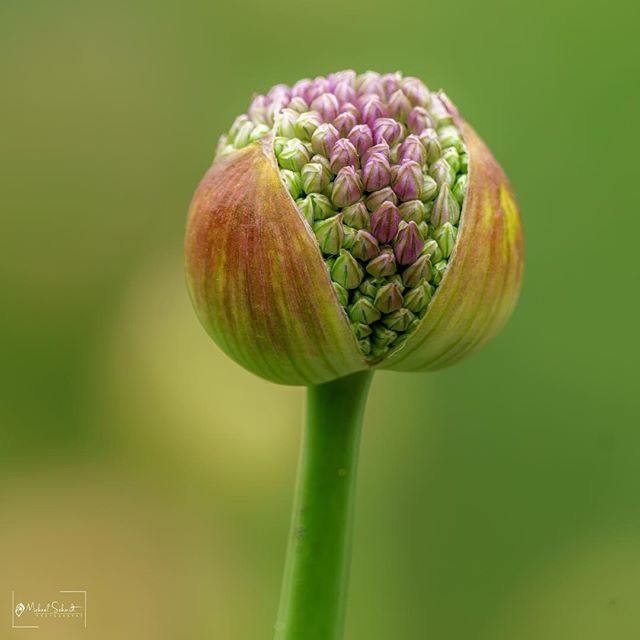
pixel 498 500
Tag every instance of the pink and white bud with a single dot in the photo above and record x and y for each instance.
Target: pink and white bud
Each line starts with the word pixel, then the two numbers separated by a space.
pixel 412 149
pixel 381 148
pixel 384 222
pixel 324 139
pixel 376 173
pixel 399 105
pixel 327 106
pixel 344 123
pixel 416 91
pixel 408 244
pixel 343 154
pixel 408 182
pixel 419 120
pixel 361 138
pixel 372 108
pixel 387 130
pixel 347 187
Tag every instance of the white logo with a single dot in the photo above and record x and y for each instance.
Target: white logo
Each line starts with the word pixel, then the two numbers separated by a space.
pixel 20 609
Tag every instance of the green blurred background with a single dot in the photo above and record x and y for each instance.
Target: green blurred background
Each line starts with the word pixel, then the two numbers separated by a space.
pixel 498 500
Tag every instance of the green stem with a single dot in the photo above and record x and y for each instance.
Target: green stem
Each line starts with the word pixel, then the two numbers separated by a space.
pixel 312 605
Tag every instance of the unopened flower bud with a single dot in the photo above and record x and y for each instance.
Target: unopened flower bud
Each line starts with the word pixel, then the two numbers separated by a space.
pixel 388 298
pixel 376 173
pixel 412 210
pixel 344 92
pixel 450 138
pixel 408 183
pixel 442 172
pixel 417 299
pixel 327 106
pixel 399 105
pixel 438 271
pixel 387 130
pixel 420 270
pixel 323 139
pixel 369 287
pixel 423 228
pixel 306 124
pixel 241 139
pixel 365 246
pixel 382 265
pixel 412 149
pixel 431 144
pixel 363 311
pixel 344 154
pixel 346 271
pixel 292 182
pixel 299 104
pixel 382 149
pixel 376 199
pixel 361 137
pixel 372 109
pixel 330 235
pixel 322 207
pixel 460 188
pixel 429 188
pixel 314 177
pixel 464 162
pixel 294 155
pixel 347 187
pixel 345 122
pixel 356 216
pixel 286 123
pixel 383 337
pixel 398 320
pixel 305 207
pixel 408 244
pixel 416 91
pixel 445 209
pixel 419 120
pixel 445 236
pixel 342 293
pixel 432 251
pixel 384 222
pixel 361 330
pixel 451 155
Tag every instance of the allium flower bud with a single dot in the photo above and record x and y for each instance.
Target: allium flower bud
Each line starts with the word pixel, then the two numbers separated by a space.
pixel 314 177
pixel 330 236
pixel 347 187
pixel 384 222
pixel 408 244
pixel 352 222
pixel 323 139
pixel 343 154
pixel 408 182
pixel 376 173
pixel 446 208
pixel 377 198
pixel 418 120
pixel 356 216
pixel 361 137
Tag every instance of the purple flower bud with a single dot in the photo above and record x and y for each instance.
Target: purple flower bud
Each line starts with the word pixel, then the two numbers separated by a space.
pixel 348 76
pixel 345 93
pixel 376 172
pixel 408 244
pixel 412 149
pixel 381 148
pixel 347 187
pixel 408 183
pixel 327 106
pixel 446 208
pixel 302 89
pixel 442 172
pixel 399 105
pixel 383 265
pixel 361 138
pixel 324 138
pixel 384 222
pixel 391 82
pixel 343 154
pixel 419 120
pixel 279 93
pixel 416 91
pixel 387 130
pixel 372 109
pixel 365 246
pixel 377 198
pixel 344 123
pixel 370 83
pixel 349 107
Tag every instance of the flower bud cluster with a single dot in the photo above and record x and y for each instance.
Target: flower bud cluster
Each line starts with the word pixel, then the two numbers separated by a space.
pixel 378 170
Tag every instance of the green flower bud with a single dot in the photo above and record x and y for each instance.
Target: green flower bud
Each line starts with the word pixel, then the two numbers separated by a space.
pixel 464 163
pixel 361 330
pixel 382 336
pixel 396 278
pixel 330 236
pixel 445 236
pixel 306 124
pixel 417 299
pixel 278 144
pixel 417 272
pixel 429 189
pixel 314 177
pixel 294 155
pixel 460 188
pixel 382 265
pixel 413 210
pixel 363 311
pixel 398 320
pixel 322 207
pixel 442 172
pixel 286 123
pixel 450 138
pixel 259 132
pixel 388 298
pixel 346 271
pixel 369 287
pixel 452 157
pixel 423 229
pixel 446 208
pixel 305 207
pixel 365 346
pixel 432 250
pixel 343 295
pixel 438 271
pixel 292 182
pixel 357 216
pixel 365 246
